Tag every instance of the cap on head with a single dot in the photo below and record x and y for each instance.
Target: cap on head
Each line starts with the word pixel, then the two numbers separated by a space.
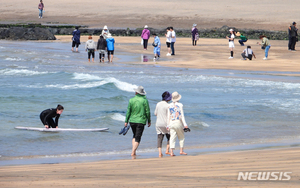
pixel 146 26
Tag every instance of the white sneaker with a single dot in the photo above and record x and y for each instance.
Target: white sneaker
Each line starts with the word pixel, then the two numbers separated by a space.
pixel 39 17
pixel 168 54
pixel 230 57
pixel 265 58
pixel 154 59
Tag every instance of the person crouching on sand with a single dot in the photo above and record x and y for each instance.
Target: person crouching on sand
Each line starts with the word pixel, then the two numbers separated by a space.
pixel 156 44
pixel 47 116
pixel 231 42
pixel 90 48
pixel 176 123
pixel 161 111
pixel 248 53
pixel 265 45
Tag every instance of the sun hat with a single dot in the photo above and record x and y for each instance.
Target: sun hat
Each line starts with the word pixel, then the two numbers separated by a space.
pixel 230 29
pixel 146 26
pixel 166 96
pixel 194 25
pixel 140 90
pixel 175 96
pixel 105 27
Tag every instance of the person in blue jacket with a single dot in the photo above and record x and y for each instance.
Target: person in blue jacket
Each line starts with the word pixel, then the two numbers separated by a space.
pixel 76 38
pixel 110 42
pixel 156 44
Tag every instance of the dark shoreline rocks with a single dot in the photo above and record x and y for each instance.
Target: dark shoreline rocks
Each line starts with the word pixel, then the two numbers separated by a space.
pixel 47 32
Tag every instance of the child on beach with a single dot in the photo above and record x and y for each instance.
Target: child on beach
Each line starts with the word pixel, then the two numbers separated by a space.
pixel 101 45
pixel 265 45
pixel 176 123
pixel 41 8
pixel 248 53
pixel 156 43
pixel 110 41
pixel 231 42
pixel 90 48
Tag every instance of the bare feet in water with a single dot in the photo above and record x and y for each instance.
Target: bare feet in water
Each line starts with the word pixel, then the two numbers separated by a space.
pixel 183 153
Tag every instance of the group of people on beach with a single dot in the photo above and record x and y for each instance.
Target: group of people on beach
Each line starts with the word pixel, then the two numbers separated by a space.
pixel 170 120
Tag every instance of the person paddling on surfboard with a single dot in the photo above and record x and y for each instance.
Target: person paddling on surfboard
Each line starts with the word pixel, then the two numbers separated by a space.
pixel 48 115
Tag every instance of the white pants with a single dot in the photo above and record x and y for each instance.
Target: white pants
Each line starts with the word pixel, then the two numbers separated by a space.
pixel 176 129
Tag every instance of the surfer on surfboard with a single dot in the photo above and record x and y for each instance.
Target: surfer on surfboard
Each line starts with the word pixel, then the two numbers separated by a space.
pixel 48 115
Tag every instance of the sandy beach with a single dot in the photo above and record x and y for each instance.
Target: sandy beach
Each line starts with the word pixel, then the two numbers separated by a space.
pixel 205 170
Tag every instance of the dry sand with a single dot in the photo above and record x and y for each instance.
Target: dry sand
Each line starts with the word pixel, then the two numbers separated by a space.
pixel 257 14
pixel 210 54
pixel 210 170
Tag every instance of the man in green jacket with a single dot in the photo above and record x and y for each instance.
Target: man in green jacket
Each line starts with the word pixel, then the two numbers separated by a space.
pixel 138 113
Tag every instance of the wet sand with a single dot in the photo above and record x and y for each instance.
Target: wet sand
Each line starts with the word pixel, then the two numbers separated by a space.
pixel 206 170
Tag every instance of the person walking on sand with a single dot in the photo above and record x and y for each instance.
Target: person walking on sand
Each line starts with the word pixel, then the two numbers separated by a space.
pixel 156 44
pixel 195 34
pixel 242 38
pixel 105 32
pixel 161 111
pixel 145 36
pixel 293 36
pixel 168 41
pixel 138 114
pixel 248 53
pixel 47 116
pixel 41 8
pixel 231 42
pixel 176 123
pixel 173 40
pixel 110 41
pixel 90 48
pixel 101 46
pixel 75 39
pixel 265 45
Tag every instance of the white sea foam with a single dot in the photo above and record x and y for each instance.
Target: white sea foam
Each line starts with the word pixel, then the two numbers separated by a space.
pixel 123 85
pixel 20 72
pixel 78 86
pixel 118 117
pixel 204 124
pixel 13 59
pixel 86 77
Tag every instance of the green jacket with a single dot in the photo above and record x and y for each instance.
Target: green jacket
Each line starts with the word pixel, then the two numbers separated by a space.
pixel 138 110
pixel 242 37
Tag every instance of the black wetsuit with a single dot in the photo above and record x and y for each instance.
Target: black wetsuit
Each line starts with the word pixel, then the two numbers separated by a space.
pixel 47 117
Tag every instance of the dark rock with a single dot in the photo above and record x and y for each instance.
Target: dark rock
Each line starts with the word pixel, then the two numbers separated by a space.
pixel 20 33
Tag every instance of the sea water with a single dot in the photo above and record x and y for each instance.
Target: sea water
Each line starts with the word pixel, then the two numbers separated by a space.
pixel 223 108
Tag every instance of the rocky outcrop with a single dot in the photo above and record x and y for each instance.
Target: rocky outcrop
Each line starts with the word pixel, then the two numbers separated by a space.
pixel 21 33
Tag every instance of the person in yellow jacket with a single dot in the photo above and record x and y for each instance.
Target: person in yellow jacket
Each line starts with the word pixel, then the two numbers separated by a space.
pixel 138 114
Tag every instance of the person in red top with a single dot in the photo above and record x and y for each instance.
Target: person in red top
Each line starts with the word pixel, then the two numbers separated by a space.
pixel 41 7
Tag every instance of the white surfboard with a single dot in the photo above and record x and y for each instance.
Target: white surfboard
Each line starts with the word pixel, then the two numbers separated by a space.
pixel 61 129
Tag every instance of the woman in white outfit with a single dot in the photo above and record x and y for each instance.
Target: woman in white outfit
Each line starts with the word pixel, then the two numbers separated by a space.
pixel 176 123
pixel 231 42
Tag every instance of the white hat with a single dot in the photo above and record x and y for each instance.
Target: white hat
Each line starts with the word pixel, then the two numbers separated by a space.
pixel 146 26
pixel 140 90
pixel 230 29
pixel 175 96
pixel 105 27
pixel 108 35
pixel 194 25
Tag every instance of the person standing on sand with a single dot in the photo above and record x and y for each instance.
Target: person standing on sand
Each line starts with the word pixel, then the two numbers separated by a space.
pixel 168 41
pixel 265 45
pixel 41 8
pixel 156 44
pixel 47 116
pixel 176 123
pixel 173 40
pixel 90 48
pixel 161 111
pixel 138 113
pixel 76 38
pixel 105 32
pixel 110 41
pixel 145 36
pixel 195 34
pixel 231 42
pixel 293 36
pixel 101 46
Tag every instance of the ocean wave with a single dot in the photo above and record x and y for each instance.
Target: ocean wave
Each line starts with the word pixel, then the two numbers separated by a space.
pixel 85 77
pixel 20 72
pixel 118 117
pixel 13 59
